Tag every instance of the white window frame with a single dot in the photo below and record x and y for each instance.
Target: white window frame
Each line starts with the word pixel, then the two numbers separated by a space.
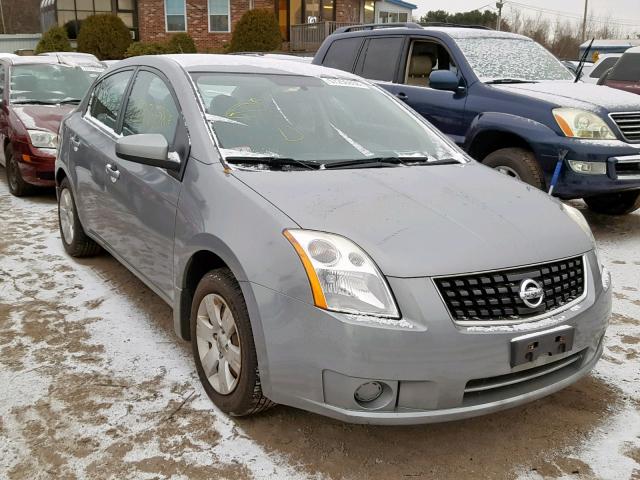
pixel 228 18
pixel 166 23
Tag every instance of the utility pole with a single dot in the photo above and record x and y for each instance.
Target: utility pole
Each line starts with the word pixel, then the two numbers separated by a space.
pixel 584 21
pixel 4 29
pixel 499 4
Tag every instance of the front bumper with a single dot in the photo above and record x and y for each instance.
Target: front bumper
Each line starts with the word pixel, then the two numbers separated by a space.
pixel 578 185
pixel 314 359
pixel 36 165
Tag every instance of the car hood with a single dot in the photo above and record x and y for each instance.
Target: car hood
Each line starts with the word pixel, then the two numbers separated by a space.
pixel 577 95
pixel 42 117
pixel 427 220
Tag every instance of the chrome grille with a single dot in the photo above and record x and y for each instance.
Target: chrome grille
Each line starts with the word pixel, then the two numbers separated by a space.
pixel 629 125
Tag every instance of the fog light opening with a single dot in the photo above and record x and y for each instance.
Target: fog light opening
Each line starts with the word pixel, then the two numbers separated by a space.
pixel 373 395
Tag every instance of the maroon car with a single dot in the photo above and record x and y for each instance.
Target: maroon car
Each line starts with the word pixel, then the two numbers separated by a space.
pixel 625 74
pixel 36 93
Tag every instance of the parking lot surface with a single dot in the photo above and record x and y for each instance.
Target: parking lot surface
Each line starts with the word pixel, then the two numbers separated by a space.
pixel 94 384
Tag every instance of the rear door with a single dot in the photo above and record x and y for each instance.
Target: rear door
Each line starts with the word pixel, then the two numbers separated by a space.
pixel 143 199
pixel 91 137
pixel 379 59
pixel 443 108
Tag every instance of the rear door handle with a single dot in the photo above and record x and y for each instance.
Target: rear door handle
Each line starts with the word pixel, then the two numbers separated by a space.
pixel 402 96
pixel 75 141
pixel 113 172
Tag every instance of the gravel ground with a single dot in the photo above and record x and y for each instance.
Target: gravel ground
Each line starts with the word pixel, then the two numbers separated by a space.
pixel 94 384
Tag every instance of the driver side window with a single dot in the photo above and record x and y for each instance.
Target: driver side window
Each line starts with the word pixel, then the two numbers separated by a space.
pixel 107 98
pixel 424 58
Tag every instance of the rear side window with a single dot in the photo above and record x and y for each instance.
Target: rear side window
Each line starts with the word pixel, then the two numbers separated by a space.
pixel 603 66
pixel 107 98
pixel 342 54
pixel 627 69
pixel 380 58
pixel 151 108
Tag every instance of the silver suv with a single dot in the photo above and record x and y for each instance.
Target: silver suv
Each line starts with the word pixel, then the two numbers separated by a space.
pixel 323 246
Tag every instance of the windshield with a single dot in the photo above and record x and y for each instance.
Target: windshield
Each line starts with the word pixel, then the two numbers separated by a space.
pixel 304 118
pixel 627 69
pixel 49 83
pixel 511 58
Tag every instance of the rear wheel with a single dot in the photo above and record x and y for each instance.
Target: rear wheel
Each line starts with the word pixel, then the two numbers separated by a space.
pixel 223 347
pixel 17 185
pixel 517 163
pixel 619 203
pixel 74 240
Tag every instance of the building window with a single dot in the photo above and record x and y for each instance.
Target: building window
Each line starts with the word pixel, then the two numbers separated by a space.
pixel 176 15
pixel 219 16
pixel 369 11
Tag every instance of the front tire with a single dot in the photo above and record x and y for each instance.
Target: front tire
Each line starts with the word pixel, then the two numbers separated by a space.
pixel 17 186
pixel 517 163
pixel 619 203
pixel 223 346
pixel 74 240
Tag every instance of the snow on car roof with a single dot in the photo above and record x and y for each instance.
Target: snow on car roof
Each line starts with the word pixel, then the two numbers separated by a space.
pixel 454 32
pixel 253 64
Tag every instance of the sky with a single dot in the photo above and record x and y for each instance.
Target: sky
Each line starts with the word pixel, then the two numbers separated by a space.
pixel 624 12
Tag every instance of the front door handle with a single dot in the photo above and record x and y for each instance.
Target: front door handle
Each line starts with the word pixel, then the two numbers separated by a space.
pixel 113 172
pixel 402 96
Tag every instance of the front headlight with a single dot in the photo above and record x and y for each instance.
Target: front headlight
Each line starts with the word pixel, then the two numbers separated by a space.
pixel 578 123
pixel 343 277
pixel 42 139
pixel 577 217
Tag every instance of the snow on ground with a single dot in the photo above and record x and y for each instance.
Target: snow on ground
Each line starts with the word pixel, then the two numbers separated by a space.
pixel 94 384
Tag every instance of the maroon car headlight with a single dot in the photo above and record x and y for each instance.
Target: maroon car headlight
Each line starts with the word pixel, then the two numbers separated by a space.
pixel 42 139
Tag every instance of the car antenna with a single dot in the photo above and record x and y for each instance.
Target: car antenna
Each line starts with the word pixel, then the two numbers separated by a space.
pixel 582 60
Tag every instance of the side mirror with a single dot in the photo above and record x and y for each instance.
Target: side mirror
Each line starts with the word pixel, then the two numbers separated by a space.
pixel 444 80
pixel 148 149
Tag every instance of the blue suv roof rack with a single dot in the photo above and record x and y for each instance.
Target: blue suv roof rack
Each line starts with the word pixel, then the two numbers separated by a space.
pixel 375 26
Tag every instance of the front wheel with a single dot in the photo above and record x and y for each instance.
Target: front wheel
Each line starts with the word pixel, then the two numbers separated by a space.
pixel 517 163
pixel 17 186
pixel 619 203
pixel 223 347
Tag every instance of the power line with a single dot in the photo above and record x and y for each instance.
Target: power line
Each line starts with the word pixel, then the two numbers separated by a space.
pixel 573 16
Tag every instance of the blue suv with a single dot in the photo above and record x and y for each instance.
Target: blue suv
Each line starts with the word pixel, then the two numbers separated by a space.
pixel 508 102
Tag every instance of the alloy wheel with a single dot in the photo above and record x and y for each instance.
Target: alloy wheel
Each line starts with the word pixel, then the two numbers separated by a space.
pixel 218 344
pixel 508 171
pixel 66 216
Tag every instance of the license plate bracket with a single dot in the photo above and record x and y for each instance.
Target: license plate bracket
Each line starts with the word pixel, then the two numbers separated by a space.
pixel 528 348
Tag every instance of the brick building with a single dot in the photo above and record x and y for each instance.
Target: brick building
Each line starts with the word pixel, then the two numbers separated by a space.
pixel 210 22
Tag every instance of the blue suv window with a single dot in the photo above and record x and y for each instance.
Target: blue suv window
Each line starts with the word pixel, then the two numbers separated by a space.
pixel 379 58
pixel 342 54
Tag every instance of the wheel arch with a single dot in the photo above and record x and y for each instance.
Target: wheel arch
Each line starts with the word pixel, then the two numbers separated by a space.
pixel 488 141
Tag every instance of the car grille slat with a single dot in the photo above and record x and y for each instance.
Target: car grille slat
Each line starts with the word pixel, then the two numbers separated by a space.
pixel 495 296
pixel 629 125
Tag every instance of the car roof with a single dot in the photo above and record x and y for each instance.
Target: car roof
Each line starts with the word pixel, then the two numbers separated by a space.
pixel 633 50
pixel 238 64
pixel 453 32
pixel 30 59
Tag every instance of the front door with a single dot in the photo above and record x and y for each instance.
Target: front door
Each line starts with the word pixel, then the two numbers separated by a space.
pixel 444 109
pixel 143 198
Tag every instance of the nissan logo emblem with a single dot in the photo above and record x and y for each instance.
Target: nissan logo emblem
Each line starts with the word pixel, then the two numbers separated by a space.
pixel 531 293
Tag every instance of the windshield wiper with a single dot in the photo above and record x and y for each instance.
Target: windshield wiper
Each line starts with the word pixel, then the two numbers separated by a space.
pixel 31 102
pixel 276 163
pixel 498 81
pixel 69 100
pixel 378 162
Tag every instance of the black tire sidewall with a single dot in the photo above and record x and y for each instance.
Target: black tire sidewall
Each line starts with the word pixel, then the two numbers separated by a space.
pixel 12 168
pixel 522 161
pixel 222 282
pixel 617 203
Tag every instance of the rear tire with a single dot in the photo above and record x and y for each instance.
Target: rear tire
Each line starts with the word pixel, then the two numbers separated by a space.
pixel 222 342
pixel 74 240
pixel 517 163
pixel 17 186
pixel 620 203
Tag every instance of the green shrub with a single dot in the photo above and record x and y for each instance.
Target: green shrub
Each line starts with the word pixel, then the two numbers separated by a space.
pixel 256 31
pixel 140 48
pixel 181 43
pixel 54 40
pixel 106 36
